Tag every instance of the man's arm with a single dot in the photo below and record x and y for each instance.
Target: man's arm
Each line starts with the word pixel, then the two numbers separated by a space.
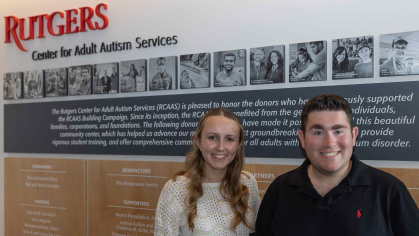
pixel 267 211
pixel 309 71
pixel 404 213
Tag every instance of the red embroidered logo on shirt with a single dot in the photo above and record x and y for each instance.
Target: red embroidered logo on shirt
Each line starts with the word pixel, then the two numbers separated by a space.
pixel 358 213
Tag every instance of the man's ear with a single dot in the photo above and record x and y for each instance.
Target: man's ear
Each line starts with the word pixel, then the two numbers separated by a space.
pixel 355 131
pixel 301 137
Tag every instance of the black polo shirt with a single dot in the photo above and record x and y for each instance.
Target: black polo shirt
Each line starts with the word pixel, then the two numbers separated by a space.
pixel 367 202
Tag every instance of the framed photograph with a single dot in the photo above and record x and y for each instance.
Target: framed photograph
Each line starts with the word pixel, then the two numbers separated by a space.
pixel 267 65
pixel 353 57
pixel 163 73
pixel 230 68
pixel 33 84
pixel 399 54
pixel 195 70
pixel 133 76
pixel 80 80
pixel 308 61
pixel 12 85
pixel 105 78
pixel 56 82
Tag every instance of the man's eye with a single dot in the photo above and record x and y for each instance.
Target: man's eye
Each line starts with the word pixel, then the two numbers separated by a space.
pixel 318 133
pixel 338 131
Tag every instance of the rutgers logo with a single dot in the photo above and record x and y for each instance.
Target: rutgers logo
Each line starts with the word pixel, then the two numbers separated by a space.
pixel 86 15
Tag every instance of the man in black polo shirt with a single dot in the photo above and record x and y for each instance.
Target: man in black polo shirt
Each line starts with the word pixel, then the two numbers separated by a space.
pixel 332 192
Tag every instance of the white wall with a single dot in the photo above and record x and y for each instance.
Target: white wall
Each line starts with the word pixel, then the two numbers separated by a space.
pixel 205 26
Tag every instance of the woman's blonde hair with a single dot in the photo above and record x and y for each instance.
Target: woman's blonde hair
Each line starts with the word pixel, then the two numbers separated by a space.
pixel 231 188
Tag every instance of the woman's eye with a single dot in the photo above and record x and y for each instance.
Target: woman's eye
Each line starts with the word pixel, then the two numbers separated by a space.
pixel 211 137
pixel 230 139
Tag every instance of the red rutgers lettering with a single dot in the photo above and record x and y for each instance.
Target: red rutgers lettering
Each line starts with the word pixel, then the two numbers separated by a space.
pixel 86 15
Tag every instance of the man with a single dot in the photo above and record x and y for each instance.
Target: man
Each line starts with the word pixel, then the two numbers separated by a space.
pixel 257 67
pixel 333 192
pixel 365 68
pixel 162 80
pixel 229 77
pixel 113 79
pixel 318 67
pixel 395 65
pixel 185 81
pixel 105 81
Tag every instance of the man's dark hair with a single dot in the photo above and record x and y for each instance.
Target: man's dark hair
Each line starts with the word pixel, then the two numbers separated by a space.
pixel 161 59
pixel 326 102
pixel 317 42
pixel 230 55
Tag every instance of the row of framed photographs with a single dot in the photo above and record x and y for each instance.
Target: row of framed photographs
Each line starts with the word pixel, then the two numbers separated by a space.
pixel 352 58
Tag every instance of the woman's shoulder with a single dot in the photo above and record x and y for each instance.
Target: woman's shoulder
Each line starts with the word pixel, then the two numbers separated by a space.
pixel 176 183
pixel 247 177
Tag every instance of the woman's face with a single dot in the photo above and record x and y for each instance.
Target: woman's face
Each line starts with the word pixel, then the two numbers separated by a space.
pixel 301 58
pixel 274 58
pixel 219 142
pixel 340 57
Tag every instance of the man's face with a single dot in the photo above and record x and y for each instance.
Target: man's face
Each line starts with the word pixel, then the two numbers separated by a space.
pixel 399 50
pixel 185 75
pixel 106 72
pixel 85 73
pixel 229 63
pixel 161 67
pixel 258 55
pixel 364 53
pixel 328 141
pixel 113 70
pixel 316 48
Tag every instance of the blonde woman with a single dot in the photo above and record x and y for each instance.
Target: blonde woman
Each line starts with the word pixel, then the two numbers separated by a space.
pixel 213 196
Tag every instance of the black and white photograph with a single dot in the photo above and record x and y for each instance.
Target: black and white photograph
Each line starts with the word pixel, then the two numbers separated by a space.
pixel 80 80
pixel 56 82
pixel 133 76
pixel 230 68
pixel 12 85
pixel 353 57
pixel 267 65
pixel 33 84
pixel 308 61
pixel 105 78
pixel 399 54
pixel 163 73
pixel 195 70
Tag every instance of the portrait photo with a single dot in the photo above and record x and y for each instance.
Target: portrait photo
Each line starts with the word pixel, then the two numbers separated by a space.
pixel 80 80
pixel 353 57
pixel 105 78
pixel 195 70
pixel 56 82
pixel 12 85
pixel 33 84
pixel 133 76
pixel 399 54
pixel 163 73
pixel 267 65
pixel 308 61
pixel 230 68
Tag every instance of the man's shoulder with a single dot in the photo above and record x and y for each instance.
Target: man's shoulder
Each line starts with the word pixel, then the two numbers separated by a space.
pixel 387 64
pixel 284 179
pixel 382 178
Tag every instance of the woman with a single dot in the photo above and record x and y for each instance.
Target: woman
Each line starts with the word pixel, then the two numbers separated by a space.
pixel 302 63
pixel 275 68
pixel 340 60
pixel 213 195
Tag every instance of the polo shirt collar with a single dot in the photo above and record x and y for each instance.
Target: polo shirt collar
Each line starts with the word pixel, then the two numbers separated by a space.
pixel 358 175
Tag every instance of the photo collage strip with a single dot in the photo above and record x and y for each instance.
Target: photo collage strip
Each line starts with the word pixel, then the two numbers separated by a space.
pixel 351 58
